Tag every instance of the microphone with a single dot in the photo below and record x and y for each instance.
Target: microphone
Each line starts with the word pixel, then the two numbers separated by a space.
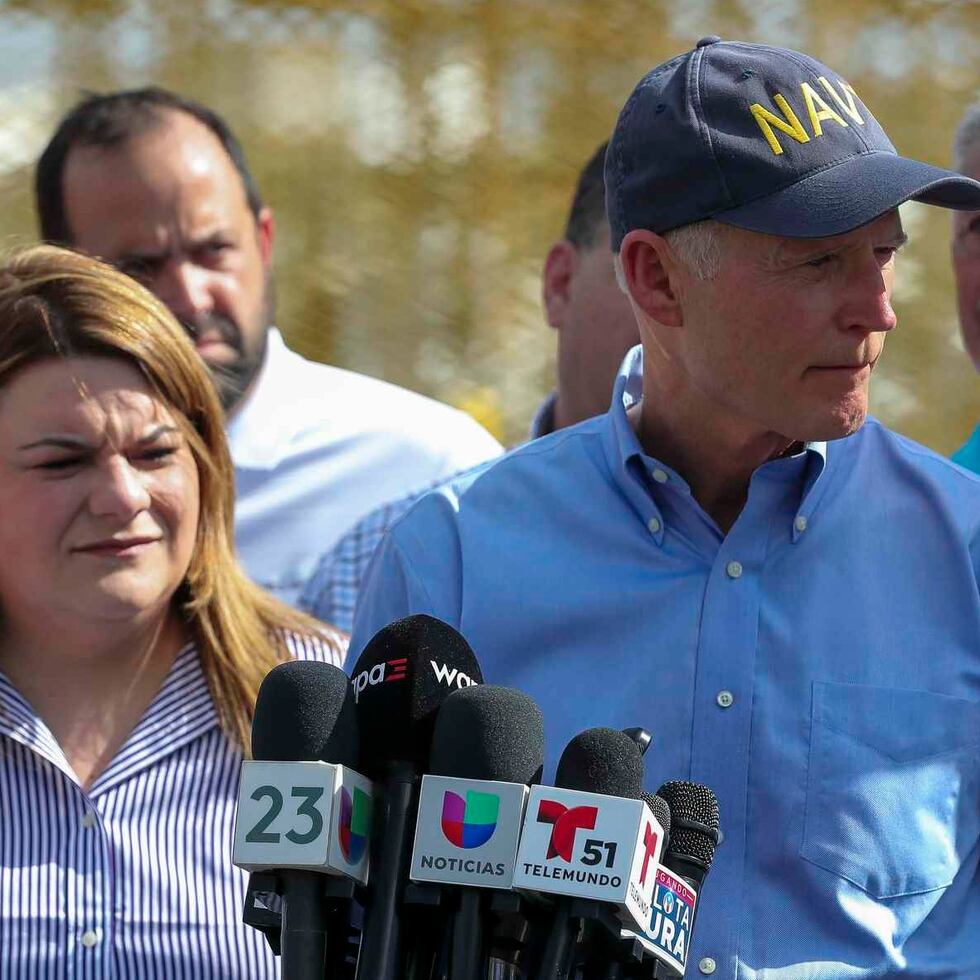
pixel 299 816
pixel 590 837
pixel 660 808
pixel 694 835
pixel 399 681
pixel 488 744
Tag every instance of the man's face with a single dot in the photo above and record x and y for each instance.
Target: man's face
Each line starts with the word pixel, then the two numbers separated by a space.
pixel 168 208
pixel 784 338
pixel 966 266
pixel 595 323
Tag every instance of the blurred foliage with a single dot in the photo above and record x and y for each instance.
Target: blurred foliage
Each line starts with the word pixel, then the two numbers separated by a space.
pixel 420 156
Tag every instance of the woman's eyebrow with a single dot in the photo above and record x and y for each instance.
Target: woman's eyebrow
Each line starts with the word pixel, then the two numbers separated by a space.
pixel 160 430
pixel 59 442
pixel 77 442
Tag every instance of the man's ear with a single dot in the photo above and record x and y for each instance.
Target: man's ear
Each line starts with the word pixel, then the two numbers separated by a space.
pixel 560 266
pixel 265 228
pixel 651 276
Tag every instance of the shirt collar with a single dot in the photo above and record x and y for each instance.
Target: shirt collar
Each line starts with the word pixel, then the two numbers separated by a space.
pixel 631 466
pixel 181 712
pixel 255 431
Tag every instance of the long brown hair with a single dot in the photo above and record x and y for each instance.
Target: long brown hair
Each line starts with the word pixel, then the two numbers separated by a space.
pixel 58 303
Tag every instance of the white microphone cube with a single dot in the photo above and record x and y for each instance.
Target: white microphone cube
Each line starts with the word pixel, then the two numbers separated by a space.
pixel 586 845
pixel 467 831
pixel 310 816
pixel 668 932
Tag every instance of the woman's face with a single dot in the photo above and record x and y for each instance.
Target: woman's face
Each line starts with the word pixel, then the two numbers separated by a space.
pixel 99 495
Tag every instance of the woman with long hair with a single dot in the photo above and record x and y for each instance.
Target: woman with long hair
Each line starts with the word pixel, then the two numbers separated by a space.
pixel 131 644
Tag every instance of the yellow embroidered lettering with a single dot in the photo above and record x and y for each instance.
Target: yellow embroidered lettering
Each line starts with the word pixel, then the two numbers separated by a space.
pixel 791 125
pixel 813 101
pixel 849 106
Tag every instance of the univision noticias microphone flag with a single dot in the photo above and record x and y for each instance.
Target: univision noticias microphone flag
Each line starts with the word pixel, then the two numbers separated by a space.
pixel 467 831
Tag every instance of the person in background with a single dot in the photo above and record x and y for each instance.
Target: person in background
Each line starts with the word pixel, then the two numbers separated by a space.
pixel 158 185
pixel 965 248
pixel 595 328
pixel 132 646
pixel 732 556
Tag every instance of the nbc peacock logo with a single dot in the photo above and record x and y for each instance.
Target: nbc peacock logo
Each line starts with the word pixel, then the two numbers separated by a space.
pixel 354 826
pixel 471 822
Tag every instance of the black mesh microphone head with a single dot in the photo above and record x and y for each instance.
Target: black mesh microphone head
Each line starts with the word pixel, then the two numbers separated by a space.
pixel 694 821
pixel 602 760
pixel 488 732
pixel 661 810
pixel 304 713
pixel 402 676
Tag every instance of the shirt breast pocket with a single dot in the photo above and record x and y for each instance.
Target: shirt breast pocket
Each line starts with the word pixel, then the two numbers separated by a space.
pixel 893 787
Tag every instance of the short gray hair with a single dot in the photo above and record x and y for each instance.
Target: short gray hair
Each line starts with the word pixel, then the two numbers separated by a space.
pixel 698 245
pixel 967 137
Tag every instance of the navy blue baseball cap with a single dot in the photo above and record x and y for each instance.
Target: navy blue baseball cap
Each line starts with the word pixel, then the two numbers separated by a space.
pixel 763 138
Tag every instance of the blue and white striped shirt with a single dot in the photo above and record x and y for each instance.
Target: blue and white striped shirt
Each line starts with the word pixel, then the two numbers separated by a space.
pixel 133 877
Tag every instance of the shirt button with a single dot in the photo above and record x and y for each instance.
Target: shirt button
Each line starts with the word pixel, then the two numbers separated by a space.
pixel 725 699
pixel 707 965
pixel 659 475
pixel 89 938
pixel 88 821
pixel 800 523
pixel 734 568
pixel 654 525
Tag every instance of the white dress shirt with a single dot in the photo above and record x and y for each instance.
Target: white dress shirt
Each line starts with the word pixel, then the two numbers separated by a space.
pixel 316 448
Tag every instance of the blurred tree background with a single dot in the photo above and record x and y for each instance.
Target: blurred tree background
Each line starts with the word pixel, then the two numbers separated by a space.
pixel 420 157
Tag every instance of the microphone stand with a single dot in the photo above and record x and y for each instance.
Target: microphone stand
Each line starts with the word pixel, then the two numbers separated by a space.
pixel 312 931
pixel 380 956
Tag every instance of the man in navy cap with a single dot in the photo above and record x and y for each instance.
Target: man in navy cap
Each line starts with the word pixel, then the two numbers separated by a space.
pixel 735 556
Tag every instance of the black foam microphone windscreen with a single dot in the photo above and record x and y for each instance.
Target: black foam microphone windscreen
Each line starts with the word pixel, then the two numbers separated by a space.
pixel 602 760
pixel 399 681
pixel 305 712
pixel 488 732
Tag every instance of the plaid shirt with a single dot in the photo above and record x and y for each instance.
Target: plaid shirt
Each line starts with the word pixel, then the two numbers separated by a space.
pixel 331 592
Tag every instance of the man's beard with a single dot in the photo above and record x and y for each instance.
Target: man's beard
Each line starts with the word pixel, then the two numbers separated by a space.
pixel 232 380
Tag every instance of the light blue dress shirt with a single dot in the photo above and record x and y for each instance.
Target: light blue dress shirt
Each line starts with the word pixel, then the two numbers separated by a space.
pixel 331 593
pixel 818 667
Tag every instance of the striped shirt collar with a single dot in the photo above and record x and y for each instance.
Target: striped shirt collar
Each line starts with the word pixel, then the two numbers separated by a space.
pixel 181 712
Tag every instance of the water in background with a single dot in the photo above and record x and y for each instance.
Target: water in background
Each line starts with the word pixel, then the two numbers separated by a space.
pixel 420 158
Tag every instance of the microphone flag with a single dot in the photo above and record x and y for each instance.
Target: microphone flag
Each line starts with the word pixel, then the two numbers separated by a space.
pixel 308 816
pixel 467 831
pixel 592 846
